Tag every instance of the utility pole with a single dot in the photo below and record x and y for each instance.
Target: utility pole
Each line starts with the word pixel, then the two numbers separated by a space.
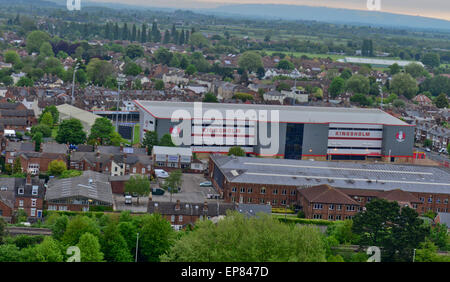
pixel 73 82
pixel 120 82
pixel 137 246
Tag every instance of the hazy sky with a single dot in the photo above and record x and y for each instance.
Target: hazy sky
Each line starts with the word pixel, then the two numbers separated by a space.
pixel 426 8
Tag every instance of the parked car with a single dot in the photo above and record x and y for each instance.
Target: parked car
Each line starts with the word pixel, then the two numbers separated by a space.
pixel 161 173
pixel 206 184
pixel 128 200
pixel 428 149
pixel 158 191
pixel 443 150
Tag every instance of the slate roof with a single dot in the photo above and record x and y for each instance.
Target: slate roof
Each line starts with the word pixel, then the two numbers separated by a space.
pixel 253 209
pixel 8 196
pixel 55 148
pixel 195 209
pixel 444 218
pixel 19 147
pixel 99 190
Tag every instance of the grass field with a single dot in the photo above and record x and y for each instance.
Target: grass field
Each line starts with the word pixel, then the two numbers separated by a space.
pixel 137 134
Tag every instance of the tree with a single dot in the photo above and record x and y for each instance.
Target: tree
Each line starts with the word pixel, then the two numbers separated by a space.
pixel 37 138
pixel 132 69
pixel 114 245
pixel 431 60
pixel 25 82
pixel 394 69
pixel 138 184
pixel 358 84
pixel 439 236
pixel 59 227
pixel 398 103
pixel 404 84
pixel 173 182
pixel 35 39
pixel 166 141
pixel 56 167
pixel 427 143
pixel 250 61
pixel 191 69
pixel 236 151
pixel 285 65
pixel 2 230
pixel 43 129
pixel 156 237
pixel 428 253
pixel 397 230
pixel 77 227
pixel 198 40
pixel 17 166
pixel 159 85
pixel 134 51
pixel 238 238
pixel 47 119
pixel 71 131
pixel 9 253
pixel 47 251
pixel 101 130
pixel 11 57
pixel 46 50
pixel 150 140
pixel 98 71
pixel 336 86
pixel 441 101
pixel 210 98
pixel 89 248
pixel 346 74
pixel 415 70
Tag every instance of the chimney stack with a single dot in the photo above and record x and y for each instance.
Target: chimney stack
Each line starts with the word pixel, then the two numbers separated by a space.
pixel 28 182
pixel 205 206
pixel 177 206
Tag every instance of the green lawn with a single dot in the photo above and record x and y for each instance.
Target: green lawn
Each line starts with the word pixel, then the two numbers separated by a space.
pixel 137 134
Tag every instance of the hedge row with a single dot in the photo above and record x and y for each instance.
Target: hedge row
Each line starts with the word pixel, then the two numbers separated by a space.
pixel 305 221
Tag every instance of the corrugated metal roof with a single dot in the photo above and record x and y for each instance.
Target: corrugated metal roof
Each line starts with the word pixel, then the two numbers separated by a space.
pixel 299 114
pixel 370 176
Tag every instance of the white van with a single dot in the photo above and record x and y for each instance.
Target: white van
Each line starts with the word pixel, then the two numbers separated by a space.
pixel 161 173
pixel 128 200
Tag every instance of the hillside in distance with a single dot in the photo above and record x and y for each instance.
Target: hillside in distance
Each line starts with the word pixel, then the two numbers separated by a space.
pixel 330 15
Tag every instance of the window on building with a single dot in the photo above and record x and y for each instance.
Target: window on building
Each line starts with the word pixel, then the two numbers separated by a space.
pixel 242 190
pixel 21 191
pixel 317 216
pixel 283 202
pixel 274 202
pixel 446 201
pixel 338 217
pixel 331 207
pixel 293 192
pixel 180 218
pixel 263 190
pixel 233 189
pixel 438 200
pixel 261 201
pixel 330 217
pixel 318 206
pixel 33 202
pixel 275 191
pixel 172 218
pixel 32 212
pixel 20 203
pixel 430 199
pixel 35 190
pixel 422 199
pixel 249 190
pixel 283 192
pixel 134 170
pixel 338 207
pixel 249 200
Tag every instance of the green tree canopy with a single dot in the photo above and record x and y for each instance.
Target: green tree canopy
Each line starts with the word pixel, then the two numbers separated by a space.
pixel 138 184
pixel 441 101
pixel 98 71
pixel 166 141
pixel 358 84
pixel 150 140
pixel 114 245
pixel 71 131
pixel 89 248
pixel 77 227
pixel 404 84
pixel 101 130
pixel 236 151
pixel 57 167
pixel 397 230
pixel 336 86
pixel 250 61
pixel 238 238
pixel 35 39
pixel 156 237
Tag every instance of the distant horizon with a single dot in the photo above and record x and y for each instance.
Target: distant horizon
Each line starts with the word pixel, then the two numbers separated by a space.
pixel 437 9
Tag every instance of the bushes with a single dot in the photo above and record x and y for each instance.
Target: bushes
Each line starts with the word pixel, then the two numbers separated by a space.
pixel 70 173
pixel 297 220
pixel 281 210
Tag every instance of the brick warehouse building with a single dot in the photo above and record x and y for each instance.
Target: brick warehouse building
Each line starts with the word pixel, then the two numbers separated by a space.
pixel 319 133
pixel 280 181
